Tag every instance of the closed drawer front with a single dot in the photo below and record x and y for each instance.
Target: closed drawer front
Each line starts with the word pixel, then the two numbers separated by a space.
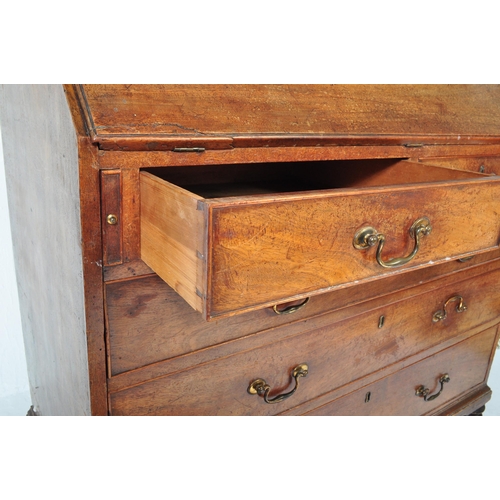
pixel 148 322
pixel 228 244
pixel 465 365
pixel 337 353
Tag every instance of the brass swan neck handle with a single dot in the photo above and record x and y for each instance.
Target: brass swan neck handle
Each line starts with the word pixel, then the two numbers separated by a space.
pixel 369 237
pixel 442 314
pixel 423 392
pixel 290 309
pixel 261 387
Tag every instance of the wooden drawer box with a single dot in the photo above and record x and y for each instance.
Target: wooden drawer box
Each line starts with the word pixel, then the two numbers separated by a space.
pixel 466 365
pixel 337 353
pixel 228 244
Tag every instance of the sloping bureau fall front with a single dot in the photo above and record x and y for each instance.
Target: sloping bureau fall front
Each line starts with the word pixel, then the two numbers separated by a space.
pixel 257 249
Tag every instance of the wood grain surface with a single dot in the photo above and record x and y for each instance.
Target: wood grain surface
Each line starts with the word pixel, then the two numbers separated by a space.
pixel 111 203
pixel 212 115
pixel 220 387
pixel 283 248
pixel 149 322
pixel 486 164
pixel 173 235
pixel 43 159
pixel 466 364
pixel 260 248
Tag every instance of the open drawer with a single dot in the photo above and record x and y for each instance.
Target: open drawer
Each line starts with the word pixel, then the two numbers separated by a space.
pixel 233 238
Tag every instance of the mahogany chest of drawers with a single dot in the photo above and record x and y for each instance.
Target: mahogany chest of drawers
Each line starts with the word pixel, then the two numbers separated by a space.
pixel 256 249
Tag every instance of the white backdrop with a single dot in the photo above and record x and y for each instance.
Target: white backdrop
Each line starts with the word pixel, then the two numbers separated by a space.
pixel 15 398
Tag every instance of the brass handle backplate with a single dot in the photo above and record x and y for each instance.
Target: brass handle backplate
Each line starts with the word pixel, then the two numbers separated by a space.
pixel 290 309
pixel 369 237
pixel 261 387
pixel 423 392
pixel 443 314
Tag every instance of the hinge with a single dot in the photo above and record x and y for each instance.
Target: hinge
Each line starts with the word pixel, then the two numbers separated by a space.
pixel 414 145
pixel 188 150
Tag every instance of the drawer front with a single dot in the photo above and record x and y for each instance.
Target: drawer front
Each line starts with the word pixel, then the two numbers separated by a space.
pixel 264 252
pixel 424 387
pixel 337 353
pixel 148 322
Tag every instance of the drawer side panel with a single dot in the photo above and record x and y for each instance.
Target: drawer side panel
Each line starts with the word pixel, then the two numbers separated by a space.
pixel 172 237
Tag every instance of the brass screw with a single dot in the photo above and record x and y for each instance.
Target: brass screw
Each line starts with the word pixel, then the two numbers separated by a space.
pixel 112 219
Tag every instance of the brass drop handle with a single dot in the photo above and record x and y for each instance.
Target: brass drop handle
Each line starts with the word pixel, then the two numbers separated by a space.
pixel 443 314
pixel 261 387
pixel 290 309
pixel 369 237
pixel 423 392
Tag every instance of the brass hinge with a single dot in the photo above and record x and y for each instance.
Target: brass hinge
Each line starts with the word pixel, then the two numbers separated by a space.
pixel 188 150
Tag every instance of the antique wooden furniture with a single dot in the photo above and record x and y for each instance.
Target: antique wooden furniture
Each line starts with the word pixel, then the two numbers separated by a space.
pixel 256 249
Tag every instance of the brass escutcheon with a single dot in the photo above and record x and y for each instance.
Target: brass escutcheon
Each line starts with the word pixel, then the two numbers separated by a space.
pixel 261 387
pixel 368 237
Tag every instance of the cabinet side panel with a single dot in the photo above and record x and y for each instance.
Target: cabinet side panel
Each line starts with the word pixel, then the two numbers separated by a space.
pixel 41 162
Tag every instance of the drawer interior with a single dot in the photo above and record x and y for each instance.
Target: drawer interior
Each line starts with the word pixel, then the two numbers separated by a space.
pixel 221 181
